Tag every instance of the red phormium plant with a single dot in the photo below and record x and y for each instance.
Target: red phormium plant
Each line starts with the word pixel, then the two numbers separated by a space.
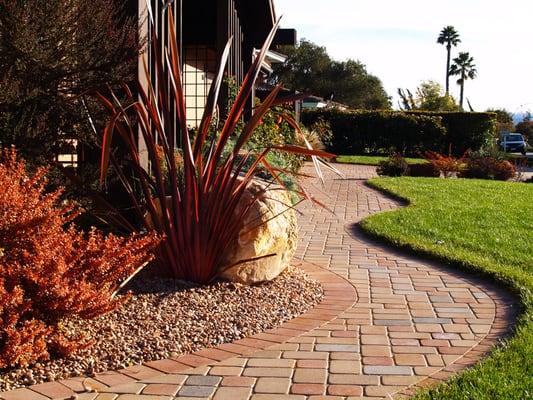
pixel 198 217
pixel 50 271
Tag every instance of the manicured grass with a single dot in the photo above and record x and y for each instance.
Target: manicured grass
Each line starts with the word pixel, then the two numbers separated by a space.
pixel 373 160
pixel 482 226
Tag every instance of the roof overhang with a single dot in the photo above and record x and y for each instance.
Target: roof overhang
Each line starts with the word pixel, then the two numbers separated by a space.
pixel 272 57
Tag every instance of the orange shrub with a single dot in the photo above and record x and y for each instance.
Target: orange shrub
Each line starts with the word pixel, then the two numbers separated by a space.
pixel 447 165
pixel 49 270
pixel 488 168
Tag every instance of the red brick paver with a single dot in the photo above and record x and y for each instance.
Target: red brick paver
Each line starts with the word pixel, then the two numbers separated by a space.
pixel 388 323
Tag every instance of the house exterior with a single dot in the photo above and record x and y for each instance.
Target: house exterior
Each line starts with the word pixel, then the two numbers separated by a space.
pixel 203 29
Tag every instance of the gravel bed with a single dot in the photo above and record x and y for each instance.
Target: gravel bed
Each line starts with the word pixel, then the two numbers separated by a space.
pixel 166 318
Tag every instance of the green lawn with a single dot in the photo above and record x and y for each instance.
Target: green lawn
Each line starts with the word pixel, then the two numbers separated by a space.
pixel 483 226
pixel 373 160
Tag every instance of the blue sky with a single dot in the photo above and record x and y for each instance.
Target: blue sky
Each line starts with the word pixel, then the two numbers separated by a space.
pixel 396 40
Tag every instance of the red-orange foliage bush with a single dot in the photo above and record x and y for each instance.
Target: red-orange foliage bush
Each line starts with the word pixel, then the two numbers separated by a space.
pixel 488 168
pixel 49 270
pixel 447 165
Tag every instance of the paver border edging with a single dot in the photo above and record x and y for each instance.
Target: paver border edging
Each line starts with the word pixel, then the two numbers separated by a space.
pixel 501 328
pixel 505 317
pixel 425 256
pixel 339 296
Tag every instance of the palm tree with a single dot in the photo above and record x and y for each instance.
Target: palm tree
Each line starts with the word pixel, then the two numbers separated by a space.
pixel 450 37
pixel 463 65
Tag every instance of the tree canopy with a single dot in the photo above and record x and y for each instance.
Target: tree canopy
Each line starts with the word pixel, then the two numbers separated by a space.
pixel 310 68
pixel 525 128
pixel 463 66
pixel 450 37
pixel 53 53
pixel 504 119
pixel 429 96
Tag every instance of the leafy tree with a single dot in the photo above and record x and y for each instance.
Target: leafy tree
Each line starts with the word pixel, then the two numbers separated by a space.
pixel 305 67
pixel 429 97
pixel 450 37
pixel 526 129
pixel 53 53
pixel 310 68
pixel 463 65
pixel 504 119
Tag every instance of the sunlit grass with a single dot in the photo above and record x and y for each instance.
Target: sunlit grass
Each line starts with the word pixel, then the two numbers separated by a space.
pixel 373 160
pixel 483 226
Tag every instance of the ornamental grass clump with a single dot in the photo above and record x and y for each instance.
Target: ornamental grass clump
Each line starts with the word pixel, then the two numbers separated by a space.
pixel 50 271
pixel 201 217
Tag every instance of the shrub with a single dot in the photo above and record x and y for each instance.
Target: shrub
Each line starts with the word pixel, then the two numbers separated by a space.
pixel 51 271
pixel 486 167
pixel 52 53
pixel 465 131
pixel 446 165
pixel 395 165
pixel 411 133
pixel 425 169
pixel 504 170
pixel 275 130
pixel 360 132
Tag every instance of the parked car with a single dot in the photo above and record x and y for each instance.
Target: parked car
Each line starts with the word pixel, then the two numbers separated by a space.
pixel 513 142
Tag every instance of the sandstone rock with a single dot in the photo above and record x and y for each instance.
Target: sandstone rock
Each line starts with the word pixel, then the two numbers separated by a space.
pixel 261 235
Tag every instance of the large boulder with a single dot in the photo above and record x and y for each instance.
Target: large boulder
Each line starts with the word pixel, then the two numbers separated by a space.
pixel 269 227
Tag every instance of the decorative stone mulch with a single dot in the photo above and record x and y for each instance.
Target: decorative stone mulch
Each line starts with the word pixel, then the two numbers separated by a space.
pixel 387 324
pixel 165 318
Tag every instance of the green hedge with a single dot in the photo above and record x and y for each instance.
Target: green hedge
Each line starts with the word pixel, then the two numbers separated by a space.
pixel 411 133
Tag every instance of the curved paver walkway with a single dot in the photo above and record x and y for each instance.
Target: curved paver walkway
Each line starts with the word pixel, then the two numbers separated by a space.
pixel 388 323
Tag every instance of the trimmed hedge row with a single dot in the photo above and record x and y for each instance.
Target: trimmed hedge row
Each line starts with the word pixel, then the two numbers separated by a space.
pixel 409 133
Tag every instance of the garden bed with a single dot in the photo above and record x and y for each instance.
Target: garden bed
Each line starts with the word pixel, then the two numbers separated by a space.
pixel 166 318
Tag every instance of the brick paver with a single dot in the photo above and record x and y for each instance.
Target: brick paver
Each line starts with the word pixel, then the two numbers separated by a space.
pixel 387 324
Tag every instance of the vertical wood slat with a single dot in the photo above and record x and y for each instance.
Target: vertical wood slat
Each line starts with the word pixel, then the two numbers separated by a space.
pixel 228 23
pixel 161 28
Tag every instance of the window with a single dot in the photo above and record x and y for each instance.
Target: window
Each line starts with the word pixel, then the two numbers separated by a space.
pixel 198 74
pixel 69 155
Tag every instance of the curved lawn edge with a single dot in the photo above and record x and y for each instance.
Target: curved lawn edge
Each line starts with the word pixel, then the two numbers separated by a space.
pixel 372 160
pixel 506 372
pixel 339 296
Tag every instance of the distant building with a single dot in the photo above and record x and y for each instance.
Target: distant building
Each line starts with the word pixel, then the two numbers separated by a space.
pixel 314 102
